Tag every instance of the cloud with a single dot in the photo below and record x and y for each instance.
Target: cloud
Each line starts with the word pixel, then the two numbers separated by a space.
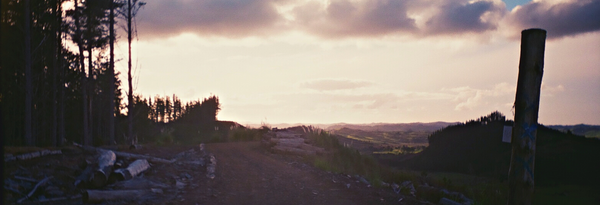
pixel 338 19
pixel 469 98
pixel 549 91
pixel 334 84
pixel 344 18
pixel 560 19
pixel 229 18
pixel 457 17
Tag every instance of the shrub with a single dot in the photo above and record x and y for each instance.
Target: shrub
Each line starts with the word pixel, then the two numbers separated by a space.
pixel 246 134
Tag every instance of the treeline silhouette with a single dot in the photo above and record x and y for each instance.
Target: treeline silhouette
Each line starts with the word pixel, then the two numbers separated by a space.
pixel 166 120
pixel 58 83
pixel 475 147
pixel 44 85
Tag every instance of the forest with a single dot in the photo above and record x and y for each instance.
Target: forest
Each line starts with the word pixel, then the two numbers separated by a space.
pixel 59 84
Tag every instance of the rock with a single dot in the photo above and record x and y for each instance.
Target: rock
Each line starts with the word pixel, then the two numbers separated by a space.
pixel 409 187
pixel 179 185
pixel 363 180
pixel 396 188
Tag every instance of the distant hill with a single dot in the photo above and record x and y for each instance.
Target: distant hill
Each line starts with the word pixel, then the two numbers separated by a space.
pixel 393 127
pixel 590 131
pixel 384 127
pixel 476 148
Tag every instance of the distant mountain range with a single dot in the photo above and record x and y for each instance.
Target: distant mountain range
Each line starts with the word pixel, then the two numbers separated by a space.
pixel 590 131
pixel 393 127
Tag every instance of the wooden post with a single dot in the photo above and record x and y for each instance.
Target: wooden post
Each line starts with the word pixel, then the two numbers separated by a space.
pixel 527 101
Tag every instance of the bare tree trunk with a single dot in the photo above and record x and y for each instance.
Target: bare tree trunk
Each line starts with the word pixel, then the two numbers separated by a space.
pixel 28 78
pixel 86 135
pixel 56 55
pixel 129 77
pixel 61 113
pixel 90 85
pixel 527 102
pixel 111 77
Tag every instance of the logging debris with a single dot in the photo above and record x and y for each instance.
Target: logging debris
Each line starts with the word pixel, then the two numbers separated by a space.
pixel 83 174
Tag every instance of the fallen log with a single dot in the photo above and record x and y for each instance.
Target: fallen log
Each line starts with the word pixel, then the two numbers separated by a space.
pixel 128 155
pixel 97 196
pixel 135 168
pixel 85 176
pixel 38 185
pixel 31 155
pixel 106 160
pixel 27 179
pixel 58 199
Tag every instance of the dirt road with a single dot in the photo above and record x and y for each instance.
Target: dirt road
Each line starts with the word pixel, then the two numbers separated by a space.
pixel 247 174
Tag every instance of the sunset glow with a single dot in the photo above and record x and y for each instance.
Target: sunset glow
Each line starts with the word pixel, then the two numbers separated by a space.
pixel 366 61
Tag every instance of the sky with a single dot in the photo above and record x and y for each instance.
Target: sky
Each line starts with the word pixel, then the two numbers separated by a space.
pixel 366 61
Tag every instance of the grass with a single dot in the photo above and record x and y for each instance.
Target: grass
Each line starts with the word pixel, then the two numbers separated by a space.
pixel 402 150
pixel 247 134
pixel 480 189
pixel 566 194
pixel 364 139
pixel 349 161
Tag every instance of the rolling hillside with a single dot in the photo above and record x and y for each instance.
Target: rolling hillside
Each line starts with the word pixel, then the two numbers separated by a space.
pixel 476 148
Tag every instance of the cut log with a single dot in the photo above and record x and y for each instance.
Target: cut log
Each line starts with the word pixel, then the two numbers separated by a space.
pixel 106 160
pixel 59 199
pixel 83 179
pixel 97 196
pixel 135 168
pixel 31 155
pixel 128 155
pixel 38 185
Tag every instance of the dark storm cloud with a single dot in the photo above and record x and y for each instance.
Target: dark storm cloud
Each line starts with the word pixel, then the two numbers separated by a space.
pixel 562 19
pixel 343 18
pixel 457 17
pixel 230 18
pixel 368 18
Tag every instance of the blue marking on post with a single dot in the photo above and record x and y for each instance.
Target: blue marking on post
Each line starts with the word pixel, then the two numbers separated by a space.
pixel 526 165
pixel 528 131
